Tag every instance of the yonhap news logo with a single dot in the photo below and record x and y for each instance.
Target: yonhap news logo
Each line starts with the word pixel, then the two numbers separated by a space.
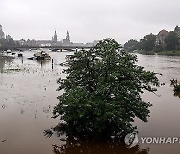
pixel 132 139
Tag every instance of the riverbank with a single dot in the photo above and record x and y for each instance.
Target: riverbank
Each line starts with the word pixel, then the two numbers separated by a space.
pixel 166 53
pixel 146 52
pixel 170 53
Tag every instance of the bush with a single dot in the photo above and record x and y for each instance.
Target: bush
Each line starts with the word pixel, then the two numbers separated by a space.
pixel 102 93
pixel 177 88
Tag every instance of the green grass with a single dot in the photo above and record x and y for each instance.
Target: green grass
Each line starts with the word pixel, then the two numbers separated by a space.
pixel 170 53
pixel 166 53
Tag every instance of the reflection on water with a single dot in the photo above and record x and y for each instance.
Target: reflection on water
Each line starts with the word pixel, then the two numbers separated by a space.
pixel 4 106
pixel 43 62
pixel 4 60
pixel 97 148
pixel 177 94
pixel 28 94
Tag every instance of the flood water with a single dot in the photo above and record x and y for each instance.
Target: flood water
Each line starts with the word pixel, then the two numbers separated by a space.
pixel 28 94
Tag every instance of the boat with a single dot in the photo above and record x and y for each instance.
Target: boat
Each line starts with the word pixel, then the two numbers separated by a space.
pixel 42 56
pixel 8 51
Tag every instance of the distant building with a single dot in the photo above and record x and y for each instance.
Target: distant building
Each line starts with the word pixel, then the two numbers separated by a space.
pixel 160 38
pixel 91 44
pixel 78 44
pixel 54 38
pixel 2 36
pixel 8 37
pixel 66 41
pixel 44 42
pixel 54 42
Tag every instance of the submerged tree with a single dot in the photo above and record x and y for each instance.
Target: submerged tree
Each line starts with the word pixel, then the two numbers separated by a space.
pixel 101 94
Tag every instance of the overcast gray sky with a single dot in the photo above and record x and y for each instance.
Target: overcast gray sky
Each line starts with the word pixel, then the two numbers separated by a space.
pixel 88 20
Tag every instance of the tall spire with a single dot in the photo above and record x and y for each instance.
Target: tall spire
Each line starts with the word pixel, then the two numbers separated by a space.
pixel 67 36
pixel 55 37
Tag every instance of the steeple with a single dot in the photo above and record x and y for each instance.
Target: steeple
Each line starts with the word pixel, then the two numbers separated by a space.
pixel 67 36
pixel 54 38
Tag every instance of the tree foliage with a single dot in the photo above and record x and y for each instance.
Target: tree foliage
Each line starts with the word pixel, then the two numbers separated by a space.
pixel 171 41
pixel 148 42
pixel 101 94
pixel 5 43
pixel 131 45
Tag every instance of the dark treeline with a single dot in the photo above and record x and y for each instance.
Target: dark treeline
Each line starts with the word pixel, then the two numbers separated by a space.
pixel 163 41
pixel 6 43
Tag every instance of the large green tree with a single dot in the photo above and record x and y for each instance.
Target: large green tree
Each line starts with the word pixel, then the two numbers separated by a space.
pixel 131 45
pixel 148 42
pixel 102 93
pixel 171 41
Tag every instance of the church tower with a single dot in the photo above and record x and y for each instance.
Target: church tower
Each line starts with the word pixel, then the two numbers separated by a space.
pixel 54 39
pixel 68 37
pixel 66 41
pixel 1 33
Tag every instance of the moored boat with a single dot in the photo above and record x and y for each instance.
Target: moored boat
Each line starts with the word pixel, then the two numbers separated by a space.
pixel 42 56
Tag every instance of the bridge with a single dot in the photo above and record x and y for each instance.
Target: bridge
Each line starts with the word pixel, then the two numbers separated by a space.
pixel 55 48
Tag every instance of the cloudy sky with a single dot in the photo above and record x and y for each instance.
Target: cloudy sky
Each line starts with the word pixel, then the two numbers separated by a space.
pixel 88 20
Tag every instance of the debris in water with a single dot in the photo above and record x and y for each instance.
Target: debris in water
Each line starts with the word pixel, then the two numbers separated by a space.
pixel 4 140
pixel 4 106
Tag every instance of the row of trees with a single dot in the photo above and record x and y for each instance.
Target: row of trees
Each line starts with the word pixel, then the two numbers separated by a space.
pixel 6 43
pixel 148 43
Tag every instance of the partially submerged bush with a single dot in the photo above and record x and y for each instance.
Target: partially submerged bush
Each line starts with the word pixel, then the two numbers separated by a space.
pixel 177 88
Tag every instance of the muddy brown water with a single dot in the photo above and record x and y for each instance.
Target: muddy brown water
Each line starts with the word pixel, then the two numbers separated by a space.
pixel 28 94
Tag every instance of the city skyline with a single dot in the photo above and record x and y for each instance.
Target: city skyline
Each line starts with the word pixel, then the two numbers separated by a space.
pixel 53 39
pixel 87 20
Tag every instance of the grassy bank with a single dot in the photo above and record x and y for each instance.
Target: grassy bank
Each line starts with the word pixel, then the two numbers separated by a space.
pixel 166 53
pixel 170 53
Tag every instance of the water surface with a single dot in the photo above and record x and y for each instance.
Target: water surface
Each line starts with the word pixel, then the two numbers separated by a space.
pixel 28 94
